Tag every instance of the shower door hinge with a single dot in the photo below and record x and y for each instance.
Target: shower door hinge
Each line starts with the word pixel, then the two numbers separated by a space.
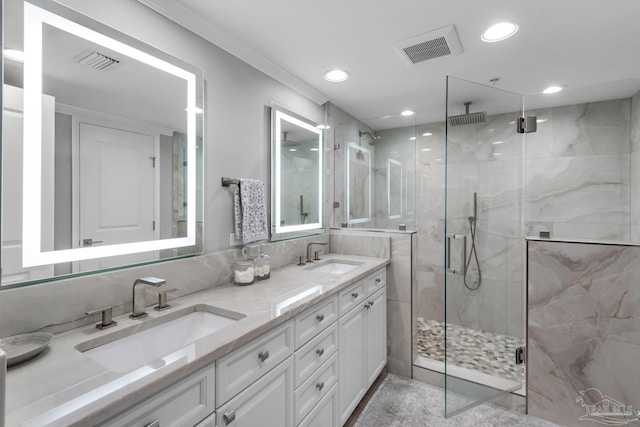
pixel 527 124
pixel 336 205
pixel 153 161
pixel 336 146
pixel 520 356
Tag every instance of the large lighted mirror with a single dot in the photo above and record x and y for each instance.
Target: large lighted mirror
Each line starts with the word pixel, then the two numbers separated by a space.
pixel 297 170
pixel 101 147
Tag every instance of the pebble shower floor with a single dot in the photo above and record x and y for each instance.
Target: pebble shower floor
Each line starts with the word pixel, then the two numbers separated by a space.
pixel 481 351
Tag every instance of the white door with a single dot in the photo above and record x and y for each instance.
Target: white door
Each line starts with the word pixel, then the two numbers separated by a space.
pixel 117 191
pixel 12 154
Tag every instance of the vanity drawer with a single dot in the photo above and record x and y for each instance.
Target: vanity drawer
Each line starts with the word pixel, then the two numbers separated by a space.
pixel 376 281
pixel 185 403
pixel 315 388
pixel 238 369
pixel 314 353
pixel 352 296
pixel 325 414
pixel 315 319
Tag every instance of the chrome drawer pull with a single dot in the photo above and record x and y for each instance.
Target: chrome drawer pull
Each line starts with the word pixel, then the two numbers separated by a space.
pixel 320 352
pixel 264 355
pixel 354 295
pixel 320 386
pixel 367 306
pixel 155 423
pixel 378 280
pixel 371 303
pixel 228 417
pixel 320 317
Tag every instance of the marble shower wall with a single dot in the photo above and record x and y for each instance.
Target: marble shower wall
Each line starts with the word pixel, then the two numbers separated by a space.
pixel 584 328
pixel 576 184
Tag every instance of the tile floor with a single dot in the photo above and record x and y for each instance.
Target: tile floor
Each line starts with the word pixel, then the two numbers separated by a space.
pixel 401 402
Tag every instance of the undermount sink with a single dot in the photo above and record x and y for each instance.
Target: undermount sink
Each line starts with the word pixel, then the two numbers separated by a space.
pixel 334 266
pixel 154 341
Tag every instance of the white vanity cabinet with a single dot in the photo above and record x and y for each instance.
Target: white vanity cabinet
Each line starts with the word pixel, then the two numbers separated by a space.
pixel 184 404
pixel 362 334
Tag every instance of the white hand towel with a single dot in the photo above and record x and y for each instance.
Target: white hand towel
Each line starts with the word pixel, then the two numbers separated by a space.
pixel 250 212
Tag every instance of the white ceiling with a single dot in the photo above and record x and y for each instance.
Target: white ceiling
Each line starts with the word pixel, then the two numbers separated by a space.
pixel 589 45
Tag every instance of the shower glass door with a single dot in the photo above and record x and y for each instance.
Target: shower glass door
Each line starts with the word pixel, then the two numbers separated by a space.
pixel 484 245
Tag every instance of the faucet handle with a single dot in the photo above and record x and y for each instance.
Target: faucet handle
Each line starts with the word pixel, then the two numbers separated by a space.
pixel 107 320
pixel 162 299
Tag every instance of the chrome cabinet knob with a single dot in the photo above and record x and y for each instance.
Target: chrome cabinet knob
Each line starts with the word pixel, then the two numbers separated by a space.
pixel 354 295
pixel 263 355
pixel 320 352
pixel 320 386
pixel 320 317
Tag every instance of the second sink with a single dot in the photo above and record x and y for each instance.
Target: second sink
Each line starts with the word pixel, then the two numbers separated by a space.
pixel 333 266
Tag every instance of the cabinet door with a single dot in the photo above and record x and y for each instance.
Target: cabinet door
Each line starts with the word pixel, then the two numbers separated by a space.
pixel 325 414
pixel 266 403
pixel 376 334
pixel 351 352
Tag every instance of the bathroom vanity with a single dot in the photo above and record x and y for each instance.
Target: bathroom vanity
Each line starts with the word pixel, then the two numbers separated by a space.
pixel 299 349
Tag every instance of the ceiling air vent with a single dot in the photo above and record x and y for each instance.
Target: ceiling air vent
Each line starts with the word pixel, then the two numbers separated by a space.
pixel 95 60
pixel 431 45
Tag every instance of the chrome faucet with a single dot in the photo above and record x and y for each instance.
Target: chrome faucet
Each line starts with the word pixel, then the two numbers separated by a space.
pixel 138 304
pixel 309 250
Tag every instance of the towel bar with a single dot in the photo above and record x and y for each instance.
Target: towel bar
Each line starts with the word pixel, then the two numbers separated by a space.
pixel 227 182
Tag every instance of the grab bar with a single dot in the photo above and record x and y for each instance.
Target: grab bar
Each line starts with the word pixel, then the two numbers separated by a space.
pixel 463 254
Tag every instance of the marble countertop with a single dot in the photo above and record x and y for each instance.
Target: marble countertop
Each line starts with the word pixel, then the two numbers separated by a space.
pixel 63 387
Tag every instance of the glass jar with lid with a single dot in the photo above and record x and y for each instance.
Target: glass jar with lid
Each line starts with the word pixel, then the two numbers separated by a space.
pixel 262 265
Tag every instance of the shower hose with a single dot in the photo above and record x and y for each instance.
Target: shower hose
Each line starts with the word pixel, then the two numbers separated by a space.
pixel 473 254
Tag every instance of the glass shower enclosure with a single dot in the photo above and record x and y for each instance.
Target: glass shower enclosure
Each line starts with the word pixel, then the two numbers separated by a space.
pixel 483 326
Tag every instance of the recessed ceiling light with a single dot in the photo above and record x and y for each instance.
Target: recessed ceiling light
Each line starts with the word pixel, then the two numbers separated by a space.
pixel 292 149
pixel 336 76
pixel 498 32
pixel 497 142
pixel 426 149
pixel 541 120
pixel 407 113
pixel 14 54
pixel 552 89
pixel 314 149
pixel 497 154
pixel 323 127
pixel 413 138
pixel 427 134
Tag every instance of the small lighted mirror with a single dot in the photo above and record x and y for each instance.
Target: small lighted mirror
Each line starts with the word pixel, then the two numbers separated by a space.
pixel 394 188
pixel 358 197
pixel 102 147
pixel 297 184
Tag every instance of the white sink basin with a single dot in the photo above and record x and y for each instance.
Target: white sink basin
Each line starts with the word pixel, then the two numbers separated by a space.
pixel 153 340
pixel 334 267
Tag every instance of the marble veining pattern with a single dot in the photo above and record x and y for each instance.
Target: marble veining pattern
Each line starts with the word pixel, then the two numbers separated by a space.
pixel 584 327
pixel 481 351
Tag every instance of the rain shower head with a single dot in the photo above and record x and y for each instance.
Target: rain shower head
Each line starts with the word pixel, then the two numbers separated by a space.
pixel 468 118
pixel 374 138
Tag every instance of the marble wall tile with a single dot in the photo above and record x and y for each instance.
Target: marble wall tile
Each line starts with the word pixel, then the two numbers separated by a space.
pixel 401 270
pixel 584 328
pixel 399 332
pixel 362 243
pixel 591 189
pixel 594 128
pixel 429 296
pixel 585 289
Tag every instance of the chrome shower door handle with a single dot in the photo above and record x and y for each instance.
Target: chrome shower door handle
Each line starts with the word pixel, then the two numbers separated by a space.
pixel 463 254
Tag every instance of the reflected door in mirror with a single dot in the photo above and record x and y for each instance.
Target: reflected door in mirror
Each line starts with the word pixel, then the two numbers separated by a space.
pixel 117 189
